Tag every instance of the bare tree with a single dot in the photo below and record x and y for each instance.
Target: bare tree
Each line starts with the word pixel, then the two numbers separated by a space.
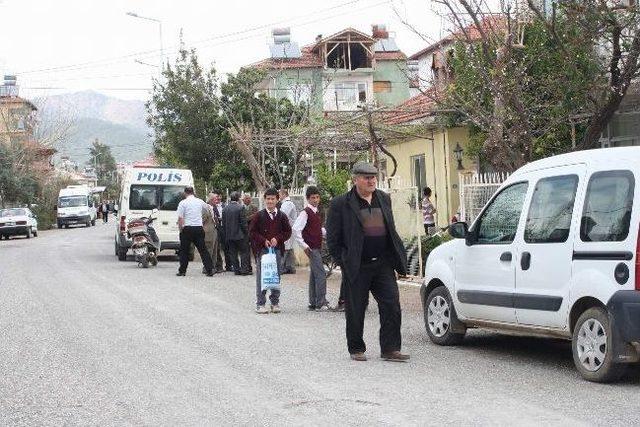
pixel 54 124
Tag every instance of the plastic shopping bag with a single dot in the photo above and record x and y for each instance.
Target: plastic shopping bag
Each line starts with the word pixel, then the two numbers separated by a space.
pixel 269 277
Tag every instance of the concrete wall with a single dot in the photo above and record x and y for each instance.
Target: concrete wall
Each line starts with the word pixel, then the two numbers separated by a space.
pixel 440 164
pixel 396 73
pixel 304 84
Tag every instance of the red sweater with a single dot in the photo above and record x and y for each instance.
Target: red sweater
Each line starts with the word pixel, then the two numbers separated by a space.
pixel 263 228
pixel 312 232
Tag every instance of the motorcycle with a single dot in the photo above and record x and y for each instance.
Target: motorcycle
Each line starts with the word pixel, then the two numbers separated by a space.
pixel 146 244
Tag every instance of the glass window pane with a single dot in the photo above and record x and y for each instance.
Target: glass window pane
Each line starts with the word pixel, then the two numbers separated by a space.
pixel 171 196
pixel 72 201
pixel 499 222
pixel 143 197
pixel 549 218
pixel 607 207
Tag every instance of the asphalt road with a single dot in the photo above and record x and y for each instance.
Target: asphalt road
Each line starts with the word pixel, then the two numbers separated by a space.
pixel 85 339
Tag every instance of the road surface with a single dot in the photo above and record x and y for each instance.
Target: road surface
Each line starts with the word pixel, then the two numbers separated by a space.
pixel 86 339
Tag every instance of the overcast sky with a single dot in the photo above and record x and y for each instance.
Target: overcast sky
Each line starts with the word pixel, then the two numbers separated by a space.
pixel 59 46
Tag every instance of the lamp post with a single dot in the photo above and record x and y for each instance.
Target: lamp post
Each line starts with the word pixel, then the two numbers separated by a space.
pixel 458 153
pixel 135 15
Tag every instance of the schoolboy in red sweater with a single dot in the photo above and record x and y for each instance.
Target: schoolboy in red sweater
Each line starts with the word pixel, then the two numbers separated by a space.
pixel 269 229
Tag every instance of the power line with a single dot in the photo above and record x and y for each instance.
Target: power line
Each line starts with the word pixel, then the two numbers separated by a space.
pixel 89 64
pixel 94 88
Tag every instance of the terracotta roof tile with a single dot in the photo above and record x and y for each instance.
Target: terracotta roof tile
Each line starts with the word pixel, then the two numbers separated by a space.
pixel 415 108
pixel 489 23
pixel 389 56
pixel 308 59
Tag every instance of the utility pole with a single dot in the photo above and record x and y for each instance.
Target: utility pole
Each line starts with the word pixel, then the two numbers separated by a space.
pixel 373 145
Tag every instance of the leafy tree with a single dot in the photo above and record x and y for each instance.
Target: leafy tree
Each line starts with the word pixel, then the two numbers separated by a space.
pixel 184 112
pixel 331 183
pixel 102 160
pixel 524 79
pixel 18 184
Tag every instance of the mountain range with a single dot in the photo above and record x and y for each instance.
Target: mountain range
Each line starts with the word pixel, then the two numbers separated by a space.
pixel 115 122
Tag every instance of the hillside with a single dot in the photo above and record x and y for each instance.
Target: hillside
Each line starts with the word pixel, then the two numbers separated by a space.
pixel 127 143
pixel 115 122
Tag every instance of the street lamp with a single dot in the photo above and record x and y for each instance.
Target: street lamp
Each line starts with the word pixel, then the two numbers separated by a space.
pixel 458 153
pixel 135 15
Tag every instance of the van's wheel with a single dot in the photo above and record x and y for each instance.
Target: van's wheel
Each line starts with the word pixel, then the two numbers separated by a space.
pixel 122 254
pixel 592 347
pixel 93 222
pixel 35 233
pixel 29 233
pixel 439 314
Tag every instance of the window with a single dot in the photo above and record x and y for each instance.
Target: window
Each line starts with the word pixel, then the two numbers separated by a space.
pixel 362 92
pixel 72 201
pixel 12 212
pixel 499 222
pixel 143 197
pixel 549 218
pixel 170 196
pixel 418 172
pixel 349 94
pixel 607 207
pixel 381 86
pixel 163 197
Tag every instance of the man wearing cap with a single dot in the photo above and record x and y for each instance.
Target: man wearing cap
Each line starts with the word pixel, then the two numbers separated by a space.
pixel 362 238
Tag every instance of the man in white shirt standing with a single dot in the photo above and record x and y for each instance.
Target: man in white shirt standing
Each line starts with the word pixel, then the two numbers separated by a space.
pixel 190 212
pixel 288 208
pixel 308 232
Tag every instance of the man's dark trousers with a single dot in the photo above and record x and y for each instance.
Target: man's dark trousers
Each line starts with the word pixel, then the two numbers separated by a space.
pixel 378 278
pixel 195 235
pixel 238 248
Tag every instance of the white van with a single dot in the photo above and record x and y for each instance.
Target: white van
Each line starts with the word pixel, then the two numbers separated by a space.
pixel 145 189
pixel 75 206
pixel 555 253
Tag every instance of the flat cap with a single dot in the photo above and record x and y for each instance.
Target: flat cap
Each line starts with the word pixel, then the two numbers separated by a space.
pixel 364 168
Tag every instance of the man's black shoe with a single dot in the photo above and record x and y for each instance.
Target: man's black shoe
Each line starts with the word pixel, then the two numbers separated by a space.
pixel 180 274
pixel 237 273
pixel 210 273
pixel 311 307
pixel 395 356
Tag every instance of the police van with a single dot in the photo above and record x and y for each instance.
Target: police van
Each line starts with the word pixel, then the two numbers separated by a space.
pixel 144 189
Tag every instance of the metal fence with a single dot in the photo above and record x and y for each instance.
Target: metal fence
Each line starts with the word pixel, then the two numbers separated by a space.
pixel 405 203
pixel 475 191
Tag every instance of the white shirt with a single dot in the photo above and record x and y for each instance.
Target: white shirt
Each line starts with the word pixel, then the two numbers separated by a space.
pixel 272 214
pixel 190 209
pixel 289 209
pixel 301 223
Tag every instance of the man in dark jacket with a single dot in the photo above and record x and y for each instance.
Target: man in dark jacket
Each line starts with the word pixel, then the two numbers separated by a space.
pixel 362 238
pixel 235 227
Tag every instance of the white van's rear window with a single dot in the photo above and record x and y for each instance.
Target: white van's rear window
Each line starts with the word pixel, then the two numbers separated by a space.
pixel 607 207
pixel 163 197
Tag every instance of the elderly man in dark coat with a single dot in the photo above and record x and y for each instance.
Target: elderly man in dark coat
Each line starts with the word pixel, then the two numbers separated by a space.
pixel 363 240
